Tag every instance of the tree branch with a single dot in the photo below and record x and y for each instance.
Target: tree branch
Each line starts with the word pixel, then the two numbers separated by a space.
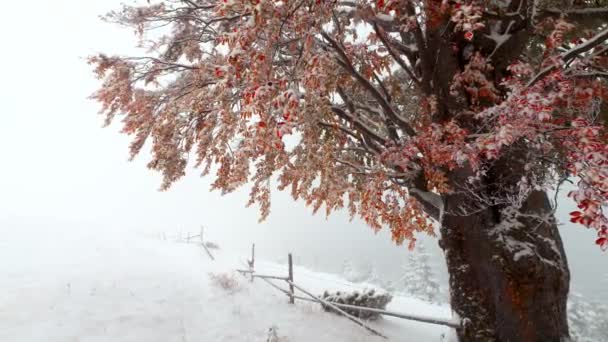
pixel 572 53
pixel 395 56
pixel 358 125
pixel 579 13
pixel 346 64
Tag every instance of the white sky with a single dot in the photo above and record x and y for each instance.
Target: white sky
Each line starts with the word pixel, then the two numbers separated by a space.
pixel 57 161
pixel 59 167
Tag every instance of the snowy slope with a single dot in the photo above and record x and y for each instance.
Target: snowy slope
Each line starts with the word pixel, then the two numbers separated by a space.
pixel 59 285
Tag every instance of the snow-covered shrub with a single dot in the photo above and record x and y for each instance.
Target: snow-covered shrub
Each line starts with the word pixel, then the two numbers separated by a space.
pixel 226 281
pixel 588 321
pixel 273 335
pixel 370 298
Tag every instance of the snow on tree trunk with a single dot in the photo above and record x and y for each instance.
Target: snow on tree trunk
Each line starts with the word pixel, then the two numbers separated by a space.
pixel 509 277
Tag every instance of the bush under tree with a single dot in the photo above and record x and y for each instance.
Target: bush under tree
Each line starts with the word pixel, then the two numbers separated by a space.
pixel 370 298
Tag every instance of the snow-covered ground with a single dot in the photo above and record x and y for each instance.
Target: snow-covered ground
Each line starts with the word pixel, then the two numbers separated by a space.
pixel 68 285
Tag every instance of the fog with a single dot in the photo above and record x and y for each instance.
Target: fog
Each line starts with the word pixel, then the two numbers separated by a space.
pixel 61 169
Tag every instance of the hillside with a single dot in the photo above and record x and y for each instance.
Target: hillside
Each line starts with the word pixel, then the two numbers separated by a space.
pixel 115 286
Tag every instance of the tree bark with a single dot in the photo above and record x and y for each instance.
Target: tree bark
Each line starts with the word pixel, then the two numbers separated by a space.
pixel 509 276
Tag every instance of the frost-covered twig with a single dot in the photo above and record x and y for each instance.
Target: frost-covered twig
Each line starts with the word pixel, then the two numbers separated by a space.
pixel 566 56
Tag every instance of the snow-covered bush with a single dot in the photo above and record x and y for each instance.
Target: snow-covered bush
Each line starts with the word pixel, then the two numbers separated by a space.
pixel 225 281
pixel 273 335
pixel 370 298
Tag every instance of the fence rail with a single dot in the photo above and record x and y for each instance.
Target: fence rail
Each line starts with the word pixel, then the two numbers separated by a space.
pixel 201 240
pixel 452 323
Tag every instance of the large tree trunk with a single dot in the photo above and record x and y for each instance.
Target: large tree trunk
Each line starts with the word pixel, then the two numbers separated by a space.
pixel 509 276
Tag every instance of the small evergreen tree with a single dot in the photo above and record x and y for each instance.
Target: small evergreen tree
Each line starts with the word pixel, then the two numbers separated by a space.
pixel 353 273
pixel 419 279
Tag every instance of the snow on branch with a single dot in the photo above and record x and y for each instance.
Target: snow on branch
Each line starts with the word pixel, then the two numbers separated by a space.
pixel 572 53
pixel 429 199
pixel 580 13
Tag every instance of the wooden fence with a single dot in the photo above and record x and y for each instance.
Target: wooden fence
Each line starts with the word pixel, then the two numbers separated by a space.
pixel 308 296
pixel 201 240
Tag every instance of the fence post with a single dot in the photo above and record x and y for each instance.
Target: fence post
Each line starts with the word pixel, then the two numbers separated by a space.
pixel 291 290
pixel 204 246
pixel 252 261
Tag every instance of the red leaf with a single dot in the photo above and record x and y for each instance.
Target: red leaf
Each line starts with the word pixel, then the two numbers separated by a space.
pixel 602 242
pixel 411 245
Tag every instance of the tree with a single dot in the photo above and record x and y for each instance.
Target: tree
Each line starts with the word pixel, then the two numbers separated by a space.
pixel 403 111
pixel 418 279
pixel 352 273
